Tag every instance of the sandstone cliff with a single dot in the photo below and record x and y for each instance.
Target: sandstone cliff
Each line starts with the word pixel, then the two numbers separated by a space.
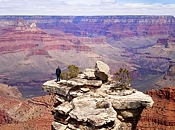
pixel 93 100
pixel 162 114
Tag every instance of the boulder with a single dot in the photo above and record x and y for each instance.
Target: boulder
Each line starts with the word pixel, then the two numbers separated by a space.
pixel 102 70
pixel 59 89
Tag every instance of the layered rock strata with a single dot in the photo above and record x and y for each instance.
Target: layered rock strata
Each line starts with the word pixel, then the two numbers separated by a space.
pixel 90 103
pixel 17 113
pixel 161 116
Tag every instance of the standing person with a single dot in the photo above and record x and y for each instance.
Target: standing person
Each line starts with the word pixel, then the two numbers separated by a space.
pixel 58 72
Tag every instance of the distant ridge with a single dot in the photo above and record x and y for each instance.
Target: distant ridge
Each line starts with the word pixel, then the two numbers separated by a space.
pixel 34 45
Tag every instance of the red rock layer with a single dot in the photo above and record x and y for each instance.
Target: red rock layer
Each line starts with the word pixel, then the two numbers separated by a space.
pixel 162 115
pixel 19 114
pixel 38 42
pixel 4 118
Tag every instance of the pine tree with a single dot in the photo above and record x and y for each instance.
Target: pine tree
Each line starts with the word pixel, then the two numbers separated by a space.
pixel 123 78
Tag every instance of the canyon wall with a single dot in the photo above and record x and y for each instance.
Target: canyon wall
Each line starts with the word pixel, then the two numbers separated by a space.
pixel 17 113
pixel 142 44
pixel 110 26
pixel 161 115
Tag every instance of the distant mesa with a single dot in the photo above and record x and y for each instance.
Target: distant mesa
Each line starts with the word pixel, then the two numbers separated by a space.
pixel 33 25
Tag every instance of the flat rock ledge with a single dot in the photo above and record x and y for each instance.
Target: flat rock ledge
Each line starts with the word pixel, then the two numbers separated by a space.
pixel 91 104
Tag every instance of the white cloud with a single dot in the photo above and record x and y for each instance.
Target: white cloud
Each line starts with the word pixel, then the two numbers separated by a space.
pixel 108 1
pixel 75 7
pixel 83 2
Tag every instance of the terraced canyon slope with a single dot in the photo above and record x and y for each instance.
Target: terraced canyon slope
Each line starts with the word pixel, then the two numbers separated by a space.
pixel 32 47
pixel 19 114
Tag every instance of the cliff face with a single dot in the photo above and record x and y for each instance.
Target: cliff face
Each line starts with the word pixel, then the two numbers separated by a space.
pixel 161 115
pixel 17 113
pixel 93 100
pixel 111 26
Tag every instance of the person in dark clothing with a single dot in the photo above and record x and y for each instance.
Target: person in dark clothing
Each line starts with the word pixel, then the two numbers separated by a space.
pixel 58 72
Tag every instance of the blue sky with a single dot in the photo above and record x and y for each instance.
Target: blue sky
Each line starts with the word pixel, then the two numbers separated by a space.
pixel 148 1
pixel 87 7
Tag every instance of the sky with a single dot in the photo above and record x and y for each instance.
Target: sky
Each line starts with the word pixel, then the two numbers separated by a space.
pixel 87 7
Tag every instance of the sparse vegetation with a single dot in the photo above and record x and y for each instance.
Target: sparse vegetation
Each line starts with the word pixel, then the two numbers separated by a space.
pixel 72 72
pixel 123 78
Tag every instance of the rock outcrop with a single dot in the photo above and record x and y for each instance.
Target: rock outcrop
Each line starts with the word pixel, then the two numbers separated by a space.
pixel 95 104
pixel 161 116
pixel 102 71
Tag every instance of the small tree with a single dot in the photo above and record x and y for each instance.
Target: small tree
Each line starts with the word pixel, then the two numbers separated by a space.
pixel 123 77
pixel 72 72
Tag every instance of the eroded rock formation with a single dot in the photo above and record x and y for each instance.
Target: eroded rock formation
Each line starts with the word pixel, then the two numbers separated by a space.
pixel 84 103
pixel 17 113
pixel 161 116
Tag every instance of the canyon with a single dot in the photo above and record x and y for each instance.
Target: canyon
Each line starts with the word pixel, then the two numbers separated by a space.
pixel 18 113
pixel 133 42
pixel 31 48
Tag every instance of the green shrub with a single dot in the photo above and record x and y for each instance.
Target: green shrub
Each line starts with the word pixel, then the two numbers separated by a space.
pixel 64 75
pixel 123 78
pixel 72 72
